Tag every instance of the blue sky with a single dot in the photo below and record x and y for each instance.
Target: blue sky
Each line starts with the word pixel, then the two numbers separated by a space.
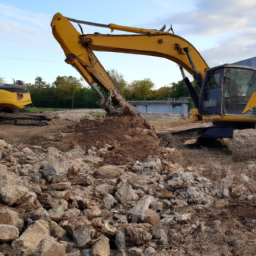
pixel 222 31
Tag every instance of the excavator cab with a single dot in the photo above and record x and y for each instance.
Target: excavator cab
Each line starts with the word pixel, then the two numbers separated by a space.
pixel 229 90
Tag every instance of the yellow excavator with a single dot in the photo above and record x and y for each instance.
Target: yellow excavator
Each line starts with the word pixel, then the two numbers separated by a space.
pixel 14 96
pixel 227 92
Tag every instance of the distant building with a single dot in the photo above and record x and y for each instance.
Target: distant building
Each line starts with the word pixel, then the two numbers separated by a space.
pixel 171 106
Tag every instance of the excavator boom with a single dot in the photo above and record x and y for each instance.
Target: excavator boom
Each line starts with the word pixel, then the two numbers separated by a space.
pixel 79 48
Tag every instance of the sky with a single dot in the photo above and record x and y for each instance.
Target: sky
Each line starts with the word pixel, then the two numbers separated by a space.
pixel 223 31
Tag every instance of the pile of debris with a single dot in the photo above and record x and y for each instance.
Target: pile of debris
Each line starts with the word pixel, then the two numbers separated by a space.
pixel 74 203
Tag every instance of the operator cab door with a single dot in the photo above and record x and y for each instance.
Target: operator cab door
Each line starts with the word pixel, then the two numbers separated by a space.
pixel 211 92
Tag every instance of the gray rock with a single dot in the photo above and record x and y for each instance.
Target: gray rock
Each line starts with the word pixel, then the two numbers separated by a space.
pixel 120 240
pixel 86 252
pixel 81 234
pixel 48 173
pixel 109 201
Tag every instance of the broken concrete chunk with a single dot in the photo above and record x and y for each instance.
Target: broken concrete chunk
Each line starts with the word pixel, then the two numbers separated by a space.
pixel 60 186
pixel 83 180
pixel 46 200
pixel 55 230
pixel 140 209
pixel 93 212
pixel 8 233
pixel 109 229
pixel 12 189
pixel 151 217
pixel 40 214
pixel 105 189
pixel 125 193
pixel 71 213
pixel 56 213
pixel 109 172
pixel 49 247
pixel 101 247
pixel 120 241
pixel 27 243
pixel 149 251
pixel 178 182
pixel 109 201
pixel 48 173
pixel 2 143
pixel 138 234
pixel 8 217
pixel 81 234
pixel 136 250
pixel 59 178
pixel 155 165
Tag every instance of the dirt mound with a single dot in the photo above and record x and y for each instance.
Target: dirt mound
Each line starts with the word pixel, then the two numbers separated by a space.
pixel 129 138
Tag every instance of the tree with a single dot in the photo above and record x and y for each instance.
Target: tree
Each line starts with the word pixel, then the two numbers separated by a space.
pixel 180 89
pixel 128 92
pixel 142 88
pixel 2 80
pixel 117 78
pixel 163 92
pixel 40 83
pixel 67 87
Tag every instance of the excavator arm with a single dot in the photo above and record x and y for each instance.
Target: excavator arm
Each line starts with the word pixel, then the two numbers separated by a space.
pixel 79 48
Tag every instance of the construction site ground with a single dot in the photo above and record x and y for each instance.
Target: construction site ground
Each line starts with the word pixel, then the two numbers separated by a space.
pixel 219 220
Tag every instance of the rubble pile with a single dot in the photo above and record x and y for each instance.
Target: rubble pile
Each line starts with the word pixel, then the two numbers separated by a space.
pixel 75 203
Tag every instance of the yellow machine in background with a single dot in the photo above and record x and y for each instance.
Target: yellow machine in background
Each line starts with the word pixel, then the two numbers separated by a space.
pixel 13 96
pixel 227 92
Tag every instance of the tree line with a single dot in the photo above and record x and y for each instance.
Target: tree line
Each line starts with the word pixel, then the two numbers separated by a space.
pixel 69 92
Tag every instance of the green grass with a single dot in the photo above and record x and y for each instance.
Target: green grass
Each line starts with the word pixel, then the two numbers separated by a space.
pixel 36 110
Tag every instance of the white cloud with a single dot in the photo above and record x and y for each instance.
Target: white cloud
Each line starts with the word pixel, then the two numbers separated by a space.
pixel 38 19
pixel 214 17
pixel 231 49
pixel 22 27
pixel 228 27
